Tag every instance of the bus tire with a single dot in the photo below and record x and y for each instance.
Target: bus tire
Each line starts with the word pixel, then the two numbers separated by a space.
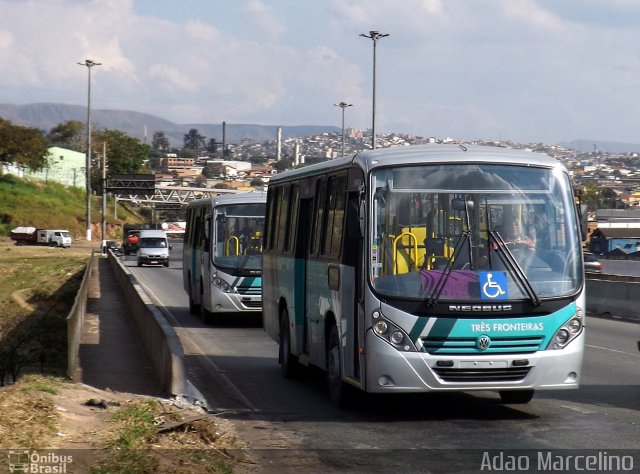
pixel 193 307
pixel 288 362
pixel 205 314
pixel 339 392
pixel 516 396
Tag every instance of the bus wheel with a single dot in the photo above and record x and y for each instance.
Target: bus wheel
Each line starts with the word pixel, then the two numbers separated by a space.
pixel 339 392
pixel 205 315
pixel 516 396
pixel 193 307
pixel 288 362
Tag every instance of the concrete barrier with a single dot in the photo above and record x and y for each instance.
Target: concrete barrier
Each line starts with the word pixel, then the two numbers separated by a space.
pixel 75 320
pixel 160 341
pixel 613 296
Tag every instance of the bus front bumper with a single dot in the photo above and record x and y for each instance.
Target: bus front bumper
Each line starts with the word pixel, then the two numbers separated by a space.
pixel 390 370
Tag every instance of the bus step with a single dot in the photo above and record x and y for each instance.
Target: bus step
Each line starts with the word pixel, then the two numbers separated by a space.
pixel 303 359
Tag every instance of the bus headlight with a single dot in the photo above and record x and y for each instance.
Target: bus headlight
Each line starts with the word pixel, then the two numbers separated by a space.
pixel 575 325
pixel 569 330
pixel 220 283
pixel 562 336
pixel 380 327
pixel 390 333
pixel 396 337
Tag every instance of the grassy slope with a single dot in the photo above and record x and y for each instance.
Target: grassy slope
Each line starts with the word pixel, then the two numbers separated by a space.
pixel 53 205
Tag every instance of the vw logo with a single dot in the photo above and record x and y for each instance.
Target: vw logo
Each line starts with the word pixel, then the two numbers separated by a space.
pixel 484 342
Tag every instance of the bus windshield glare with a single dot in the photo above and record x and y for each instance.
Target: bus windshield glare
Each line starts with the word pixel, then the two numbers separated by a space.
pixel 238 236
pixel 468 232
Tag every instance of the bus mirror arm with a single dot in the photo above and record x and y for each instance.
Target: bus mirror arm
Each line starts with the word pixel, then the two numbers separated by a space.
pixel 584 220
pixel 362 212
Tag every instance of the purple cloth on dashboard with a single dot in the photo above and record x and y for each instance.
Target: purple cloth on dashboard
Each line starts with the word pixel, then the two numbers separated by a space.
pixel 456 286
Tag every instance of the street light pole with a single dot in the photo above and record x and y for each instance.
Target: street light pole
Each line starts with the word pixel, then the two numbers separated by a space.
pixel 89 64
pixel 375 36
pixel 104 198
pixel 343 105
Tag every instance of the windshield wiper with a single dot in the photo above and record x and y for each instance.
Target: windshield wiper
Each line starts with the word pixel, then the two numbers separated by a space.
pixel 509 259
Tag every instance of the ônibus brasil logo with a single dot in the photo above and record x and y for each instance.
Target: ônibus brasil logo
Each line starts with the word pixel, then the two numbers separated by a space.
pixel 27 461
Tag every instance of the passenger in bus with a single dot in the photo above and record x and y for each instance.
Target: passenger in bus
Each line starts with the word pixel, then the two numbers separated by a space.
pixel 511 233
pixel 514 239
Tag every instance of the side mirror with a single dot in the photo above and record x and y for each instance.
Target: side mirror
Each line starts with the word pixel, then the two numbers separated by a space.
pixel 362 221
pixel 584 220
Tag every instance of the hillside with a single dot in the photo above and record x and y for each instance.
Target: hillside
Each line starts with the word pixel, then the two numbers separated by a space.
pixel 136 124
pixel 53 205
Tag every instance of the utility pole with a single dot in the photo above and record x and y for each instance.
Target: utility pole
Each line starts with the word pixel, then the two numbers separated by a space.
pixel 343 105
pixel 104 198
pixel 89 64
pixel 375 36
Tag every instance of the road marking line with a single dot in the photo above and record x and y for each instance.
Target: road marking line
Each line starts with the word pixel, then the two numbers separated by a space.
pixel 162 308
pixel 611 350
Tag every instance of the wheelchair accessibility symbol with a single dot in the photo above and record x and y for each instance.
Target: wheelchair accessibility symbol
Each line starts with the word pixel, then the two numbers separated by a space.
pixel 493 286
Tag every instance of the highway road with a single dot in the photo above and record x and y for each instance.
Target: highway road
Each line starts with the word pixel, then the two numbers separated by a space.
pixel 621 267
pixel 233 364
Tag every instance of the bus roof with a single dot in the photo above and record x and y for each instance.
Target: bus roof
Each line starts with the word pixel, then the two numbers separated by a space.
pixel 429 153
pixel 237 198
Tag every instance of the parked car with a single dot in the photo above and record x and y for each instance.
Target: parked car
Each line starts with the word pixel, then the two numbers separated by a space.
pixel 591 263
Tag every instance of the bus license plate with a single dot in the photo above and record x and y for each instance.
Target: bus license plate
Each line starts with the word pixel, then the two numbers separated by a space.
pixel 483 364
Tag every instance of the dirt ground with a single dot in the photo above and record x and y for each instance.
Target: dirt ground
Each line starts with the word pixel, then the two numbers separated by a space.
pixel 49 412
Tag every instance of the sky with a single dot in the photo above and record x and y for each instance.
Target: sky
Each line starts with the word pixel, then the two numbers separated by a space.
pixel 523 70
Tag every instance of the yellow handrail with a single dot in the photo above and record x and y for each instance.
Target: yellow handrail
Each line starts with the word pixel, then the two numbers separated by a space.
pixel 226 245
pixel 395 251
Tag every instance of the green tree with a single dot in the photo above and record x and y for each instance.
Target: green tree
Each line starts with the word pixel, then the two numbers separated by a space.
pixel 193 140
pixel 125 154
pixel 68 135
pixel 22 146
pixel 282 165
pixel 160 146
pixel 160 143
pixel 257 160
pixel 591 196
pixel 211 171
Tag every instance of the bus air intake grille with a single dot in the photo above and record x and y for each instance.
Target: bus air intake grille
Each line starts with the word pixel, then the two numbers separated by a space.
pixel 469 345
pixel 510 374
pixel 252 304
pixel 249 290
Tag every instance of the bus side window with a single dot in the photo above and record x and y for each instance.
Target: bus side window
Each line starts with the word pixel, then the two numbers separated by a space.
pixel 316 232
pixel 334 216
pixel 292 218
pixel 269 221
pixel 282 208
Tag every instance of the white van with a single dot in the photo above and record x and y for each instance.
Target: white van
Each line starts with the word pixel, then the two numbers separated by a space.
pixel 153 248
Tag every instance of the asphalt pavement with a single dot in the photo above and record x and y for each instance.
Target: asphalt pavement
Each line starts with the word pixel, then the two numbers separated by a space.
pixel 111 355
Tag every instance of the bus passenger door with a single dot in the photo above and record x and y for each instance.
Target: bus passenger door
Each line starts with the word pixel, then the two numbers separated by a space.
pixel 299 340
pixel 317 297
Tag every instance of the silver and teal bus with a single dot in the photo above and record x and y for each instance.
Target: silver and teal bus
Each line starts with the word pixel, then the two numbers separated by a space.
pixel 393 270
pixel 222 259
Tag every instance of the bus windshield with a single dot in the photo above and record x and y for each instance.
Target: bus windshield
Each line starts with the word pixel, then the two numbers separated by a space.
pixel 238 236
pixel 472 232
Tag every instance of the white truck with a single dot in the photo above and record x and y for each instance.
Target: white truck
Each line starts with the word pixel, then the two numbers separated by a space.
pixel 34 236
pixel 153 248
